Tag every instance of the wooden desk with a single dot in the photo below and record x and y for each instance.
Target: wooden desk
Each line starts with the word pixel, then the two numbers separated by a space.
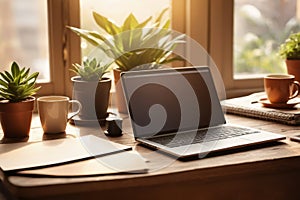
pixel 264 172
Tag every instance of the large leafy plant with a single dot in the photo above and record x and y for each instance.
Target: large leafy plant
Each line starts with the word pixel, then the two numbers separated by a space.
pixel 91 70
pixel 134 44
pixel 18 84
pixel 290 49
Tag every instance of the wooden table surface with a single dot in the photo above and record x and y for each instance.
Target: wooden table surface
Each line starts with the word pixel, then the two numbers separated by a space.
pixel 262 172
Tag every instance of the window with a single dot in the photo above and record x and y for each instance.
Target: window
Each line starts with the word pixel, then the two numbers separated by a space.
pixel 63 46
pixel 31 34
pixel 35 35
pixel 24 31
pixel 244 37
pixel 116 10
pixel 187 16
pixel 215 24
pixel 184 14
pixel 258 33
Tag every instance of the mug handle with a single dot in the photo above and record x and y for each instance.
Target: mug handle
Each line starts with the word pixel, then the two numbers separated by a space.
pixel 73 114
pixel 297 84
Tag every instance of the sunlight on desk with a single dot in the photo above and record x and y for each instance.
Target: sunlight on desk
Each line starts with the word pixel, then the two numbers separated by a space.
pixel 272 168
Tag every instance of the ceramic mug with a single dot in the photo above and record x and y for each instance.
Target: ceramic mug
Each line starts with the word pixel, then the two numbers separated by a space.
pixel 54 112
pixel 281 87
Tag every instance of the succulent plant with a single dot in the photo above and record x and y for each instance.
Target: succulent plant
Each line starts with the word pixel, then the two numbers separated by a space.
pixel 290 49
pixel 17 85
pixel 134 44
pixel 91 70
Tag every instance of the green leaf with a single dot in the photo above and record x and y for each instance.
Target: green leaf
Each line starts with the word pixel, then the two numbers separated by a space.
pixel 15 69
pixel 130 23
pixel 159 18
pixel 3 91
pixel 31 77
pixel 131 44
pixel 96 35
pixel 18 79
pixel 91 69
pixel 16 86
pixel 84 34
pixel 25 72
pixel 136 39
pixel 9 76
pixel 5 77
pixel 144 23
pixel 3 83
pixel 106 24
pixel 167 24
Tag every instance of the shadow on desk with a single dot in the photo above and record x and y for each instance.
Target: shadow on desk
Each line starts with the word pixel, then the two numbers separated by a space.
pixel 13 140
pixel 4 194
pixel 222 152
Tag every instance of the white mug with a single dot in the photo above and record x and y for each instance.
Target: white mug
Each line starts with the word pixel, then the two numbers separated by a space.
pixel 54 112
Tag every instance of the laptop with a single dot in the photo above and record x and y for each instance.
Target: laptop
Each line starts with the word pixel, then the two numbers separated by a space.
pixel 177 111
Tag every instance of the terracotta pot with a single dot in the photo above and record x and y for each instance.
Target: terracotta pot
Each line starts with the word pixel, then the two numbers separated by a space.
pixel 16 117
pixel 121 103
pixel 293 68
pixel 93 96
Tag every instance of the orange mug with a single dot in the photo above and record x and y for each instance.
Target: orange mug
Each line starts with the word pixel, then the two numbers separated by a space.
pixel 281 87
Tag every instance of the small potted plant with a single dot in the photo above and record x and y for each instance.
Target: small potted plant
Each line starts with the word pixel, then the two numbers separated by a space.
pixel 92 89
pixel 290 51
pixel 134 45
pixel 17 102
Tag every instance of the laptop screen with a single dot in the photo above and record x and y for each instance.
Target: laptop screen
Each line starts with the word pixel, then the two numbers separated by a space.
pixel 171 100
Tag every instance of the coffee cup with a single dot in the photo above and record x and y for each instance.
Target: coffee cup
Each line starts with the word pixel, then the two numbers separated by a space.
pixel 280 88
pixel 54 112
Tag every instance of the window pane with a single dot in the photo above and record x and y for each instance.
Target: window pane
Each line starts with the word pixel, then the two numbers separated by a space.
pixel 24 35
pixel 260 27
pixel 117 10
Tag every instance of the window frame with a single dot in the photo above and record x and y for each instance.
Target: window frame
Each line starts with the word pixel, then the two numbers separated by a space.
pixel 55 47
pixel 221 49
pixel 208 22
pixel 71 47
pixel 60 14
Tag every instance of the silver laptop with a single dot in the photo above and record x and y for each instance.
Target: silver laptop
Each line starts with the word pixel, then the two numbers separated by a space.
pixel 178 111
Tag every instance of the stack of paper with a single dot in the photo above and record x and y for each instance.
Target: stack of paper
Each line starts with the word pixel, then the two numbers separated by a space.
pixel 87 155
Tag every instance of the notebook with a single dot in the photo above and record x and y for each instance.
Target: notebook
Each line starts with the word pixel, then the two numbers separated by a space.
pixel 177 110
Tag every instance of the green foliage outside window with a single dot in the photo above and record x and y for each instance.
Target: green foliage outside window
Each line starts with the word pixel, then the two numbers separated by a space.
pixel 257 51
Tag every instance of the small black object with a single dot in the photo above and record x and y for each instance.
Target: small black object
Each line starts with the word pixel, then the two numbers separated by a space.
pixel 114 127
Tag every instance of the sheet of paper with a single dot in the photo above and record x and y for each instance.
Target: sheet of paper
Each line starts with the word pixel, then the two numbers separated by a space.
pixel 19 156
pixel 126 161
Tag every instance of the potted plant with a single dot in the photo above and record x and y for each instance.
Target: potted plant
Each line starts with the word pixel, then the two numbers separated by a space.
pixel 16 104
pixel 92 89
pixel 290 51
pixel 134 45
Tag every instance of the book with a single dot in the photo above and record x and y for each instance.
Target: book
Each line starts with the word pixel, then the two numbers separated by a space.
pixel 250 106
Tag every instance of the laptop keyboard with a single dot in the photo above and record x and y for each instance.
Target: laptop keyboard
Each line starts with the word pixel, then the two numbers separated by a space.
pixel 204 135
